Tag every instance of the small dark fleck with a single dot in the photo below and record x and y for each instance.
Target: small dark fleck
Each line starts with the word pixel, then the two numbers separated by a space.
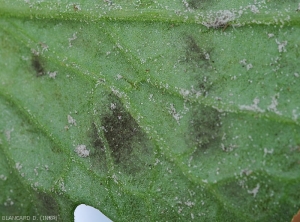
pixel 37 66
pixel 196 4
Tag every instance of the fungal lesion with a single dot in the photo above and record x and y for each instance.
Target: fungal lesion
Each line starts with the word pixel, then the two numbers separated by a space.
pixel 194 53
pixel 204 127
pixel 37 65
pixel 117 140
pixel 195 4
pixel 97 141
pixel 199 62
pixel 120 130
pixel 48 205
pixel 98 147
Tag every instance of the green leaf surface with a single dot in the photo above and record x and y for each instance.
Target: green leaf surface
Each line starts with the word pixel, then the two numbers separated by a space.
pixel 150 110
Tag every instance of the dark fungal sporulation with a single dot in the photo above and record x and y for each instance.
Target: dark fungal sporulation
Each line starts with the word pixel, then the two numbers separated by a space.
pixel 98 154
pixel 116 136
pixel 199 64
pixel 195 54
pixel 36 63
pixel 96 140
pixel 196 4
pixel 204 127
pixel 47 205
pixel 120 130
pixel 56 149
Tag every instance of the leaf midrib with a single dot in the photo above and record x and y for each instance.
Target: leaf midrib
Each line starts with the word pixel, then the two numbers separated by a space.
pixel 290 18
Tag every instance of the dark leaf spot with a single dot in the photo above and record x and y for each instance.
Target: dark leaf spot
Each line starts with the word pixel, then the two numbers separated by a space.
pixel 96 140
pixel 97 143
pixel 47 206
pixel 196 56
pixel 196 4
pixel 120 129
pixel 204 127
pixel 56 149
pixel 37 65
pixel 199 64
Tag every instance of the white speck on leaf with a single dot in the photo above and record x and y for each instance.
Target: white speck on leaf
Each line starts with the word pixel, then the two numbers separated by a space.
pixel 44 47
pixel 255 190
pixel 52 75
pixel 62 186
pixel 2 177
pixel 266 151
pixel 71 120
pixel 207 56
pixel 173 112
pixel 77 7
pixel 151 98
pixel 18 166
pixel 36 172
pixel 246 172
pixel 281 45
pixel 116 92
pixel 273 106
pixel 254 9
pixel 114 176
pixel 249 66
pixel 190 160
pixel 7 134
pixel 113 106
pixel 156 162
pixel 184 92
pixel 82 151
pixel 8 202
pixel 295 115
pixel 219 19
pixel 243 62
pixel 253 107
pixel 72 39
pixel 119 77
pixel 186 4
pixel 189 203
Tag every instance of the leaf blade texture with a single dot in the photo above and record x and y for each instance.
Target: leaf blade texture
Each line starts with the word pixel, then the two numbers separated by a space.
pixel 161 110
